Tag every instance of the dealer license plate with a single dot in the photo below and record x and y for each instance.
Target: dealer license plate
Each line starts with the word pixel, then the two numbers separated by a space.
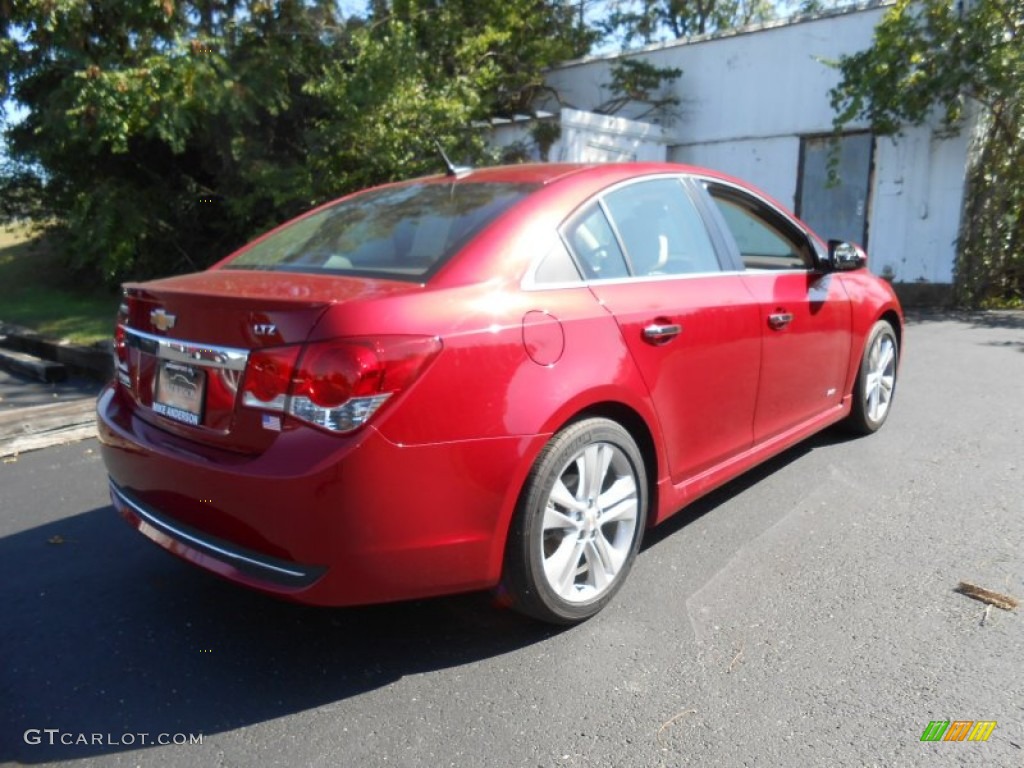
pixel 180 392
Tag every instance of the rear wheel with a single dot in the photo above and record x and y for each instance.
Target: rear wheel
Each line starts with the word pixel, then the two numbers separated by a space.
pixel 876 380
pixel 579 523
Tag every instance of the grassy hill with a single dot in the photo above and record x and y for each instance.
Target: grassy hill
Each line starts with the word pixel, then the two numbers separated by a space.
pixel 37 292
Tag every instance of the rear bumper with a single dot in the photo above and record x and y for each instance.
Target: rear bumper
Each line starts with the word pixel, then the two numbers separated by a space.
pixel 320 519
pixel 214 554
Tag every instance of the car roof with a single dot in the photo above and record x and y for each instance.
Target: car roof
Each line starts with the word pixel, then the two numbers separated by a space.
pixel 547 173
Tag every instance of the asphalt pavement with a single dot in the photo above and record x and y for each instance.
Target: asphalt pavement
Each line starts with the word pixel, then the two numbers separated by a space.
pixel 804 615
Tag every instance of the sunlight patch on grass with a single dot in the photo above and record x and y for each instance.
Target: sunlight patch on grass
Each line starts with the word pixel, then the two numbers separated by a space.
pixel 37 291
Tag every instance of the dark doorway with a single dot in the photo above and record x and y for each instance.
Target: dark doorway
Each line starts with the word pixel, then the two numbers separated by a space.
pixel 839 211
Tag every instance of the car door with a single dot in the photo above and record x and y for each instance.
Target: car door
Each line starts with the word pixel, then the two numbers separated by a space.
pixel 805 312
pixel 692 329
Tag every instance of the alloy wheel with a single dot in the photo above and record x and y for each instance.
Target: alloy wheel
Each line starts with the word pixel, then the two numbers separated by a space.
pixel 881 377
pixel 589 524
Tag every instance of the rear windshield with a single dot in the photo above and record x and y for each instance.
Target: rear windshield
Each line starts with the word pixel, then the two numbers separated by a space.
pixel 403 232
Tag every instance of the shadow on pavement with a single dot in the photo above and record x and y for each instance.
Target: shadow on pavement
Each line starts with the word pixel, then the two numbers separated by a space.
pixel 1010 319
pixel 749 479
pixel 104 633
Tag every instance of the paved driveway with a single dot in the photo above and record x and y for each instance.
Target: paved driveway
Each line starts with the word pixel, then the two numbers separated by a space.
pixel 803 616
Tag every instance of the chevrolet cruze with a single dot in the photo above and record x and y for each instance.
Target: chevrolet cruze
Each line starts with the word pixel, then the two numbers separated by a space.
pixel 491 379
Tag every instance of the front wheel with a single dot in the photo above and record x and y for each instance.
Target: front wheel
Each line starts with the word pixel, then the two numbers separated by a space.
pixel 876 380
pixel 579 523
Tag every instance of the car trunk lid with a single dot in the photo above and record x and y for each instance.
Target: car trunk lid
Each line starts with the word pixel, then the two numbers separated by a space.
pixel 183 344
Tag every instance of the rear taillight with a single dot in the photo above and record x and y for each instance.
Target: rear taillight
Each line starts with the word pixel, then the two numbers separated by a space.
pixel 268 376
pixel 335 385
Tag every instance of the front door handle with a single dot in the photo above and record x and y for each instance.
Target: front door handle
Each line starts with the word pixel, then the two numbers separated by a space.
pixel 779 320
pixel 661 333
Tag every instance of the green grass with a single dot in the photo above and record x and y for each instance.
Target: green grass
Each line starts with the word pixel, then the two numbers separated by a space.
pixel 36 291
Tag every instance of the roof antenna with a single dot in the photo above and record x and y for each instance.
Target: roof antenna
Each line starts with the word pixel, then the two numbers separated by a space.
pixel 455 171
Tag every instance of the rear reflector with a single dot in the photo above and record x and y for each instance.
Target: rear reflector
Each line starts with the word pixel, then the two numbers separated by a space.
pixel 121 366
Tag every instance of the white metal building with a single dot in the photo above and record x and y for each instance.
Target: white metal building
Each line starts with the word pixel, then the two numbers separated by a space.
pixel 755 103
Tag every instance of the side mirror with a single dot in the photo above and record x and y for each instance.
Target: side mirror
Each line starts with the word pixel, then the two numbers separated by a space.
pixel 844 257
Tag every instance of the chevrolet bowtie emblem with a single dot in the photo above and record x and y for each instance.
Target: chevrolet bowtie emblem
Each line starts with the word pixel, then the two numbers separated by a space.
pixel 161 320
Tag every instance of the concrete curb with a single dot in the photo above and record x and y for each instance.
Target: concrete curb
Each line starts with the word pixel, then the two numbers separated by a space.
pixel 95 362
pixel 46 371
pixel 27 353
pixel 40 426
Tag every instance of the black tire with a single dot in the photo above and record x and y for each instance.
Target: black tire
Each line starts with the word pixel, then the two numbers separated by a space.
pixel 570 548
pixel 876 380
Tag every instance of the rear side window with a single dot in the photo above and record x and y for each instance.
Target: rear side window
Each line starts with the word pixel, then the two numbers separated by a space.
pixel 661 229
pixel 556 267
pixel 399 232
pixel 593 241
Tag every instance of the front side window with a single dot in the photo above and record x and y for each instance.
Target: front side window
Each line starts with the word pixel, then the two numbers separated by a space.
pixel 403 232
pixel 765 240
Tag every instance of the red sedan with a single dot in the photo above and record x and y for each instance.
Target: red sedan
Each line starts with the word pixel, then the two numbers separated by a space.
pixel 492 379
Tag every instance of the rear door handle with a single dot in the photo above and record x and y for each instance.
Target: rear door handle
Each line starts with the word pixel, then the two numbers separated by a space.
pixel 658 333
pixel 779 320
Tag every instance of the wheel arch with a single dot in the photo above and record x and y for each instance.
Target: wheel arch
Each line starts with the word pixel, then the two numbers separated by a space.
pixel 892 317
pixel 637 427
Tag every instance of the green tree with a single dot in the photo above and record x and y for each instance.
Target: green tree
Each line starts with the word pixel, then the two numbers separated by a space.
pixel 960 62
pixel 384 104
pixel 651 21
pixel 161 134
pixel 507 44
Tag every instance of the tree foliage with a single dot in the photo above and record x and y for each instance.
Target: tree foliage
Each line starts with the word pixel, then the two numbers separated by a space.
pixel 640 84
pixel 512 42
pixel 161 134
pixel 652 21
pixel 958 62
